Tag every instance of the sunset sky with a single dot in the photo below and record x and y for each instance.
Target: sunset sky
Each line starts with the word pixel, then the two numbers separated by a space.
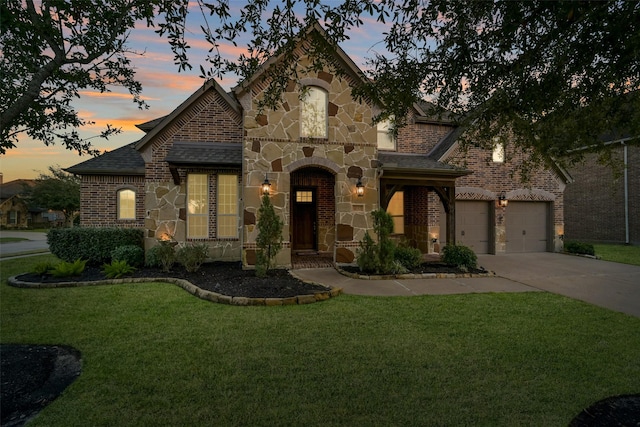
pixel 163 90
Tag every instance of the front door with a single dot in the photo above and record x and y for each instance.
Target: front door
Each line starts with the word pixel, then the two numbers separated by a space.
pixel 304 219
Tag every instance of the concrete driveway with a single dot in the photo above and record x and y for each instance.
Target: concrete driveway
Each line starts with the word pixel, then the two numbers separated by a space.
pixel 606 284
pixel 37 242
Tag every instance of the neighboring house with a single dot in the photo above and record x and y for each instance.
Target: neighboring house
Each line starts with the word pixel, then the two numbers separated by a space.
pixel 14 210
pixel 198 173
pixel 603 204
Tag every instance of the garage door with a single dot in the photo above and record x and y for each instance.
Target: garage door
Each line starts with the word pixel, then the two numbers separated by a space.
pixel 527 226
pixel 472 225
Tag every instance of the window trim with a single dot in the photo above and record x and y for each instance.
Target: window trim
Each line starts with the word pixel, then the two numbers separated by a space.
pixel 234 215
pixel 303 103
pixel 119 206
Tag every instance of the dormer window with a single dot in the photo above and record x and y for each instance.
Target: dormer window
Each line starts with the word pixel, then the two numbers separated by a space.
pixel 313 116
pixel 386 138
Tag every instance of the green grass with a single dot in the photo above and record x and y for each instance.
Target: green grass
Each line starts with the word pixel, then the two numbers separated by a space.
pixel 625 254
pixel 11 239
pixel 153 354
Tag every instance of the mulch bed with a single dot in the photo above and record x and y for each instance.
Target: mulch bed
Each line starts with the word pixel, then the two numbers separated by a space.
pixel 427 267
pixel 226 278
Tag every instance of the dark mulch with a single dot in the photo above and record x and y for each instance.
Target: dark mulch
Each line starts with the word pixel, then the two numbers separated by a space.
pixel 428 267
pixel 621 410
pixel 226 278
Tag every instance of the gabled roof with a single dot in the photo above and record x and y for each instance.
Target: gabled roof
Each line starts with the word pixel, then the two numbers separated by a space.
pixel 164 121
pixel 15 187
pixel 121 161
pixel 344 59
pixel 147 126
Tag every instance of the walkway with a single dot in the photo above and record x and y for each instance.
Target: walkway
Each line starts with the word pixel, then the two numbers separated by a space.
pixel 606 284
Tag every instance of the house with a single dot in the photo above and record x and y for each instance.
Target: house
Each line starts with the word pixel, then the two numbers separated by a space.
pixel 198 174
pixel 603 204
pixel 14 209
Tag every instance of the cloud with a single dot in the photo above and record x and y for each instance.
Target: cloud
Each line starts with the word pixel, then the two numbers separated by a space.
pixel 112 95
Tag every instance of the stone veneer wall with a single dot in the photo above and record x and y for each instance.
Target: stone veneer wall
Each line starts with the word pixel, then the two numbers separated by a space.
pixel 489 179
pixel 99 200
pixel 273 146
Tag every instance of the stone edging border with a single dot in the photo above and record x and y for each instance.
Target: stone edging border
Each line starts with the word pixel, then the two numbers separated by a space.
pixel 414 276
pixel 192 289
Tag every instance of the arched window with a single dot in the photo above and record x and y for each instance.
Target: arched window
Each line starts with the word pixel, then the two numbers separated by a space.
pixel 126 204
pixel 313 116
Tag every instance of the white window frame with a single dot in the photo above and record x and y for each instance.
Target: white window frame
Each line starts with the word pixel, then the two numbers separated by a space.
pixel 397 201
pixel 314 113
pixel 197 206
pixel 130 212
pixel 386 138
pixel 227 206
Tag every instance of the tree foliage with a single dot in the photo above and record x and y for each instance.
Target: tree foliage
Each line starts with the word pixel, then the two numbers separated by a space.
pixel 58 191
pixel 50 50
pixel 269 240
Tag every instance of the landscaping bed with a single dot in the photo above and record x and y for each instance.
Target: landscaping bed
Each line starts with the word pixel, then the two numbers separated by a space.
pixel 424 270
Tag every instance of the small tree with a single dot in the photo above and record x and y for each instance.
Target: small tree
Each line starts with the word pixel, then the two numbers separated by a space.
pixel 378 257
pixel 269 239
pixel 59 191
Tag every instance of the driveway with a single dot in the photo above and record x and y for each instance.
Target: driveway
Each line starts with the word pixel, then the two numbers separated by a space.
pixel 37 242
pixel 606 284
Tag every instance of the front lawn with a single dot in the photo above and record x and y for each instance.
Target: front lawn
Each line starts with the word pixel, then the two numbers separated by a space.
pixel 11 239
pixel 153 354
pixel 625 254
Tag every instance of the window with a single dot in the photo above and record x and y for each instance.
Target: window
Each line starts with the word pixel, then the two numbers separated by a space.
pixel 227 206
pixel 14 217
pixel 304 196
pixel 396 210
pixel 314 117
pixel 386 139
pixel 498 152
pixel 126 204
pixel 197 206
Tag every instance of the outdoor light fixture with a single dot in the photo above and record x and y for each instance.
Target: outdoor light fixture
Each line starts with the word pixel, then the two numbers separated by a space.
pixel 266 186
pixel 359 188
pixel 502 200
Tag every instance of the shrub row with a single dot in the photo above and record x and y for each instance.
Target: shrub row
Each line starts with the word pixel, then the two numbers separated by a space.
pixel 579 248
pixel 95 245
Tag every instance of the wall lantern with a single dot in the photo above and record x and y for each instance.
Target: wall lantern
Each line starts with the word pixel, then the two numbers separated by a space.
pixel 502 200
pixel 266 186
pixel 359 188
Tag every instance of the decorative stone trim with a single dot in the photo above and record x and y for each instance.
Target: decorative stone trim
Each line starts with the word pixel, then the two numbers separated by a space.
pixel 414 276
pixel 192 289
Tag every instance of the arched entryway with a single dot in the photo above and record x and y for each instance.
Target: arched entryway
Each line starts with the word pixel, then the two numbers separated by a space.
pixel 312 211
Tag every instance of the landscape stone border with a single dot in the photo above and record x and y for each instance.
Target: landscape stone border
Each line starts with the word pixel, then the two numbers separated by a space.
pixel 192 289
pixel 414 276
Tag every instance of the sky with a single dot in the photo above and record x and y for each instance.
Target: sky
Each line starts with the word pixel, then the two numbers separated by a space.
pixel 164 88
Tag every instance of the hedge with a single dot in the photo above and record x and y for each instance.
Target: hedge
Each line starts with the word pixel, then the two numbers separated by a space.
pixel 92 244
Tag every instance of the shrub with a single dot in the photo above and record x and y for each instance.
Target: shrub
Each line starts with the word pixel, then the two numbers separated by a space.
pixel 117 269
pixel 43 268
pixel 579 248
pixel 383 227
pixel 409 257
pixel 367 258
pixel 460 256
pixel 92 244
pixel 398 268
pixel 269 240
pixel 132 254
pixel 192 256
pixel 162 255
pixel 69 269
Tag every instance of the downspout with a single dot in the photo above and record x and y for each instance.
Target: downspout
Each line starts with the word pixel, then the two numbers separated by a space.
pixel 626 195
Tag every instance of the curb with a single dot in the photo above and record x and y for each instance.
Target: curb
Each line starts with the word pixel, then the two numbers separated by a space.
pixel 192 289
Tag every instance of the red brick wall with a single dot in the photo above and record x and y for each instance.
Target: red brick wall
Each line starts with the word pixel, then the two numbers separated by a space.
pixel 420 137
pixel 99 200
pixel 595 200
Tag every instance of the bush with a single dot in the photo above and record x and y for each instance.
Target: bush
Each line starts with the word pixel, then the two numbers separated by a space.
pixel 192 256
pixel 132 254
pixel 69 269
pixel 409 257
pixel 383 226
pixel 162 255
pixel 117 269
pixel 92 244
pixel 269 240
pixel 460 256
pixel 579 248
pixel 43 268
pixel 367 258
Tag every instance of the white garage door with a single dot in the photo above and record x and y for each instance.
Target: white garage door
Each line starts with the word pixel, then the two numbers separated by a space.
pixel 527 226
pixel 472 225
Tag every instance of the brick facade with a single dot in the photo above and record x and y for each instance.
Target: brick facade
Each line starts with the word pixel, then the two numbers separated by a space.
pixel 595 200
pixel 99 200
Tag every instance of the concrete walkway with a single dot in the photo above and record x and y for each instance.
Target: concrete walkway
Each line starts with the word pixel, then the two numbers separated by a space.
pixel 606 284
